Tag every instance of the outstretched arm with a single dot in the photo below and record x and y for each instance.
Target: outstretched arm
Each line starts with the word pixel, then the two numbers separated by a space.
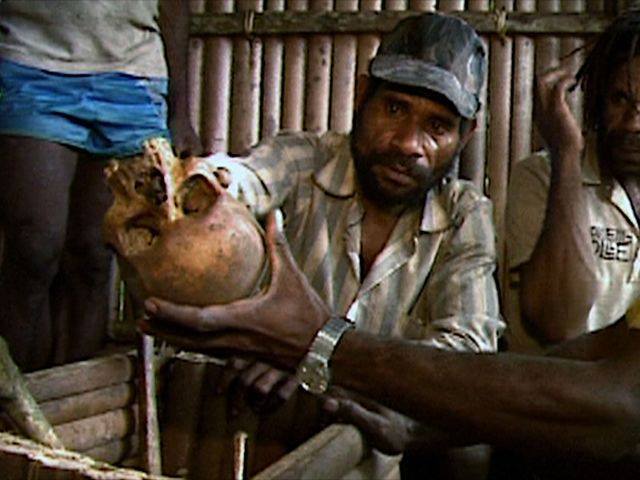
pixel 535 404
pixel 558 282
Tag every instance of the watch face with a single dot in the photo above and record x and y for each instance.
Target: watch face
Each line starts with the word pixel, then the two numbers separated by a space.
pixel 314 376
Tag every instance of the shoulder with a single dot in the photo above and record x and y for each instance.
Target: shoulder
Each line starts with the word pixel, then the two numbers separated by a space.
pixel 461 197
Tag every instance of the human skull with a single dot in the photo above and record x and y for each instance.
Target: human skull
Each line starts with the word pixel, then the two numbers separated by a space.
pixel 179 235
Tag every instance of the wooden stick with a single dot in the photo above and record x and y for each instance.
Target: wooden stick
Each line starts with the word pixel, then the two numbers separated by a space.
pixel 343 76
pixel 294 74
pixel 473 157
pixel 247 65
pixel 423 5
pixel 272 79
pixel 318 76
pixel 87 433
pixel 181 415
pixel 17 401
pixel 329 454
pixel 84 405
pixel 194 65
pixel 150 432
pixel 500 110
pixel 216 86
pixel 451 5
pixel 79 377
pixel 547 54
pixel 240 455
pixel 116 451
pixel 328 23
pixel 367 43
pixel 522 112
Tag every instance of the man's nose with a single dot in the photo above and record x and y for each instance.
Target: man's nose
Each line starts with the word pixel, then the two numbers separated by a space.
pixel 410 140
pixel 632 118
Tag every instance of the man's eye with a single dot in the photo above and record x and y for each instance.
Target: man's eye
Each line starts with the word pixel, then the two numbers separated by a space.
pixel 437 127
pixel 394 108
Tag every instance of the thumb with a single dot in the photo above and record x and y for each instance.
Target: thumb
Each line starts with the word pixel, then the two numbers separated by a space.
pixel 277 246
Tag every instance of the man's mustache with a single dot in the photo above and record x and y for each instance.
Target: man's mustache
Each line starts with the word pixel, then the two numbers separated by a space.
pixel 624 141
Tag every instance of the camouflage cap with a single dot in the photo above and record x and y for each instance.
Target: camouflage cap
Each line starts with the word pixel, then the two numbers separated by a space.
pixel 437 52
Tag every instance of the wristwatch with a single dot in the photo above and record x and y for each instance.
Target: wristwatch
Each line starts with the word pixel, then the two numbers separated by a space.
pixel 313 372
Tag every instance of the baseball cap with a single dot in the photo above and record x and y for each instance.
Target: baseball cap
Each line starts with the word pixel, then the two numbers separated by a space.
pixel 437 52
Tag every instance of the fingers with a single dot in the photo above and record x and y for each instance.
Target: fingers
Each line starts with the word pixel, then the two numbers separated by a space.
pixel 352 412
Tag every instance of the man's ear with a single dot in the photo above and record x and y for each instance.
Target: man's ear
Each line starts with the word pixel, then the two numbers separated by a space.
pixel 363 82
pixel 470 130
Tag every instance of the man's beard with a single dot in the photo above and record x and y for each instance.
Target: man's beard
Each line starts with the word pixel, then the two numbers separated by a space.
pixel 620 153
pixel 426 177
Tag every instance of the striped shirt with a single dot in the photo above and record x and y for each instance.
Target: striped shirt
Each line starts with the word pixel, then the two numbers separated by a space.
pixel 433 280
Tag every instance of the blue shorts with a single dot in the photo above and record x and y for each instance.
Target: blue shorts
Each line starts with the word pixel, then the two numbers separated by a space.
pixel 108 114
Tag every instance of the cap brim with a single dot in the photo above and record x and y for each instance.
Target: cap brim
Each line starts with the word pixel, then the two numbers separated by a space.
pixel 417 73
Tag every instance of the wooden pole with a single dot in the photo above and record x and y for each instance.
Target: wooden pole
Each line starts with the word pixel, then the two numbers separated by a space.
pixel 147 404
pixel 87 433
pixel 573 57
pixel 522 107
pixel 181 415
pixel 451 5
pixel 473 157
pixel 318 76
pixel 272 78
pixel 395 5
pixel 84 405
pixel 343 76
pixel 78 377
pixel 329 454
pixel 367 43
pixel 500 114
pixel 547 55
pixel 194 64
pixel 247 58
pixel 294 75
pixel 216 86
pixel 423 5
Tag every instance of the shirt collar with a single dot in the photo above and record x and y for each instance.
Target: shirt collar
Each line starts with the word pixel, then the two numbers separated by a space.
pixel 338 178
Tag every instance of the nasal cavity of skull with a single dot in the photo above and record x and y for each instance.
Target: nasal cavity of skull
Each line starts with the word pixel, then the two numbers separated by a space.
pixel 141 231
pixel 197 195
pixel 152 187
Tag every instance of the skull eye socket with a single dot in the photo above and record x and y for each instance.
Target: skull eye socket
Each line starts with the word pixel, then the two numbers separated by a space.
pixel 152 187
pixel 197 196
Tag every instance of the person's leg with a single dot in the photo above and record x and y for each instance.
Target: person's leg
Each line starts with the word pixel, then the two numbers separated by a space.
pixel 86 261
pixel 35 177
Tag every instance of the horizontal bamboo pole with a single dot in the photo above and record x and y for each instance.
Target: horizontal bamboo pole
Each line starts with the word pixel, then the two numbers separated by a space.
pixel 84 405
pixel 91 432
pixel 330 22
pixel 79 377
pixel 116 451
pixel 330 454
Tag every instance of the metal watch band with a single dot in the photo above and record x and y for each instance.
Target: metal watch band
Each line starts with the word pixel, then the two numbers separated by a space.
pixel 313 371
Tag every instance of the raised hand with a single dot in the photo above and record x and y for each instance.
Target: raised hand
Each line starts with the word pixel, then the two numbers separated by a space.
pixel 554 118
pixel 277 325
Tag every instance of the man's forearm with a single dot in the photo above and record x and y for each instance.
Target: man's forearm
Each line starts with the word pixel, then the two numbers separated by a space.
pixel 537 404
pixel 558 283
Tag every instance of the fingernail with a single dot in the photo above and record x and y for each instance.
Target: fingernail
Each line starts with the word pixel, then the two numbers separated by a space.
pixel 150 307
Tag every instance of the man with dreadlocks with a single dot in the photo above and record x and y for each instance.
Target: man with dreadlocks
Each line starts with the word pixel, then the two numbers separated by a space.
pixel 572 215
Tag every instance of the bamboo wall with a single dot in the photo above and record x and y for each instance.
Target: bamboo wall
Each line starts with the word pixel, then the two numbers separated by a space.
pixel 258 66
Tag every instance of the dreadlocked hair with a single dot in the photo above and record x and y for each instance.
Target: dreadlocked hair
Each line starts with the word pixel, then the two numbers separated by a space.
pixel 617 45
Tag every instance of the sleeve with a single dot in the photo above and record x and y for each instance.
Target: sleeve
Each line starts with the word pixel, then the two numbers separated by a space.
pixel 526 208
pixel 271 172
pixel 464 310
